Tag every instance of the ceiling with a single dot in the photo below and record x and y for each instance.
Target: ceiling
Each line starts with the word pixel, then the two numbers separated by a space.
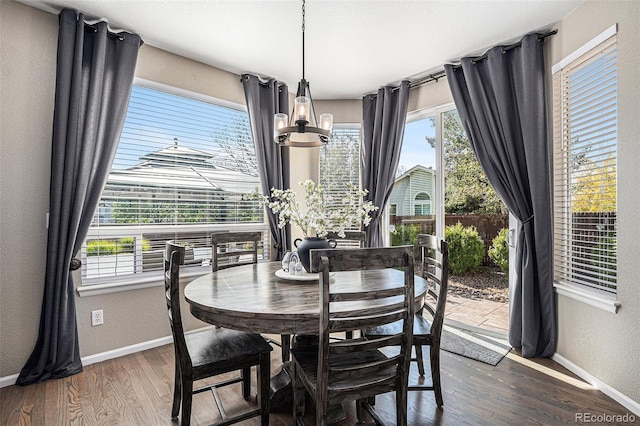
pixel 352 46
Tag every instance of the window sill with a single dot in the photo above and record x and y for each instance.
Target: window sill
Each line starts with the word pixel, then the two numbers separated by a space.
pixel 135 283
pixel 601 301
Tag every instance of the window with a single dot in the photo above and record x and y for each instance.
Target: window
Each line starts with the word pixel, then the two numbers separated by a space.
pixel 585 141
pixel 184 166
pixel 393 209
pixel 340 162
pixel 422 204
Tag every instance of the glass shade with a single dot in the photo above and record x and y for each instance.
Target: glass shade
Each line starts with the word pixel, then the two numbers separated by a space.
pixel 326 121
pixel 279 121
pixel 302 109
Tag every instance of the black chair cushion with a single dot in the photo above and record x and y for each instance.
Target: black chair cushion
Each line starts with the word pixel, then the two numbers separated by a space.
pixel 223 345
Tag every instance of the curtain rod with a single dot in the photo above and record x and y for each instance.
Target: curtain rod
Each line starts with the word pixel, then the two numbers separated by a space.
pixel 110 32
pixel 507 48
pixel 428 78
pixel 435 76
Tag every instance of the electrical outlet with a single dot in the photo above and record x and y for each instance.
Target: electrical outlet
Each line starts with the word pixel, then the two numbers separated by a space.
pixel 97 318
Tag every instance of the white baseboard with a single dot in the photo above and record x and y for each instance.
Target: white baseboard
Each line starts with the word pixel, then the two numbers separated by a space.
pixel 612 393
pixel 8 380
pixel 115 353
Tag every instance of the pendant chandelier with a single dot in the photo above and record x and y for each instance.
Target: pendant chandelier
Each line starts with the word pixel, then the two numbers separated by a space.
pixel 302 130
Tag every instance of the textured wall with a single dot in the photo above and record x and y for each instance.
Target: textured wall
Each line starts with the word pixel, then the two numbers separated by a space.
pixel 27 64
pixel 605 344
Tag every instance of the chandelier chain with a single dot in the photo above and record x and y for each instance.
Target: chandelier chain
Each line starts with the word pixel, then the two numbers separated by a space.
pixel 303 10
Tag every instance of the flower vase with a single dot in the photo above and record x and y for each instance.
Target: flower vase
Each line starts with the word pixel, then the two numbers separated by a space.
pixel 304 245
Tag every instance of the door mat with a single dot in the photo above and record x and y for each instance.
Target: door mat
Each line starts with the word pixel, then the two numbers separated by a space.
pixel 475 346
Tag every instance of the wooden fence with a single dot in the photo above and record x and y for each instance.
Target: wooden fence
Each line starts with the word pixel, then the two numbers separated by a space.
pixel 488 226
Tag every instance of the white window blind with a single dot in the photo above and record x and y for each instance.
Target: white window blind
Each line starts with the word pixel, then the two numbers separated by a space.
pixel 340 163
pixel 585 153
pixel 340 166
pixel 183 169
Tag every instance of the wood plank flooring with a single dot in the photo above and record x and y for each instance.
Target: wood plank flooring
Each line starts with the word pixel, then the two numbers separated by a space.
pixel 137 390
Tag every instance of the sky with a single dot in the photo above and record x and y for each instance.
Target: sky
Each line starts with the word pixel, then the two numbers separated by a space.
pixel 162 131
pixel 415 149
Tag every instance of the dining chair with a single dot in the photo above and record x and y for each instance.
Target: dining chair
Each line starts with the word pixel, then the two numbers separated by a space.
pixel 435 269
pixel 212 352
pixel 234 247
pixel 350 239
pixel 357 369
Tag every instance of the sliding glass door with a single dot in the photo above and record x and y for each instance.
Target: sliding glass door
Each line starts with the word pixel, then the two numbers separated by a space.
pixel 416 203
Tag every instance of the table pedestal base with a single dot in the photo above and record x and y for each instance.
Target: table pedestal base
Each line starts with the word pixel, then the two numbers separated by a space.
pixel 281 397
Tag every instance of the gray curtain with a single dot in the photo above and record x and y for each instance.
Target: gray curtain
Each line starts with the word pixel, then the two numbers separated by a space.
pixel 384 117
pixel 93 83
pixel 501 101
pixel 265 99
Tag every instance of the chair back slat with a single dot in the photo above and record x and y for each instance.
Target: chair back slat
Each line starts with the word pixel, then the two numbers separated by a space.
pixel 368 367
pixel 349 346
pixel 366 295
pixel 238 248
pixel 337 324
pixel 358 260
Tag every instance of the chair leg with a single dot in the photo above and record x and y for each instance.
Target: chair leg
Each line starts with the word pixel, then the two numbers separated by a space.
pixel 187 395
pixel 285 346
pixel 401 407
pixel 419 359
pixel 177 392
pixel 298 396
pixel 434 355
pixel 360 413
pixel 246 383
pixel 264 375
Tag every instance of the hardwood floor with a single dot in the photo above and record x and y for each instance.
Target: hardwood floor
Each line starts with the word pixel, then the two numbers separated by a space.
pixel 137 390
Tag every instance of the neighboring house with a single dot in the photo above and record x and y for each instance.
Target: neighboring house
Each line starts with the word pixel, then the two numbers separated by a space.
pixel 413 192
pixel 205 192
pixel 141 205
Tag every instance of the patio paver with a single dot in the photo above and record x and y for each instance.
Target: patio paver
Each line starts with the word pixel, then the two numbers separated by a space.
pixel 478 312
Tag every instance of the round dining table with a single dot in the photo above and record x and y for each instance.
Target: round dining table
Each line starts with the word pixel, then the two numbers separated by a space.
pixel 252 298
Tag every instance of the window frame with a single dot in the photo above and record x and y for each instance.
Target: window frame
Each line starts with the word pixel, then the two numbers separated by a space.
pixel 598 298
pixel 436 111
pixel 105 285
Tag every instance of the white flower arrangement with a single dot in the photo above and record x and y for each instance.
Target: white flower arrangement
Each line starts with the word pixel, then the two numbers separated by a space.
pixel 317 221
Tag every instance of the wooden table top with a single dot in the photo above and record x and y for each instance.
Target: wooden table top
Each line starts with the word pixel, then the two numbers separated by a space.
pixel 252 298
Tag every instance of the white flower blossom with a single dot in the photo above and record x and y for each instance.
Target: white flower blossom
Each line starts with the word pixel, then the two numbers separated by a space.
pixel 317 220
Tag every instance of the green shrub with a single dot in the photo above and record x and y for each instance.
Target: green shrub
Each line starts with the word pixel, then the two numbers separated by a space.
pixel 466 248
pixel 405 235
pixel 111 247
pixel 499 250
pixel 101 247
pixel 126 245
